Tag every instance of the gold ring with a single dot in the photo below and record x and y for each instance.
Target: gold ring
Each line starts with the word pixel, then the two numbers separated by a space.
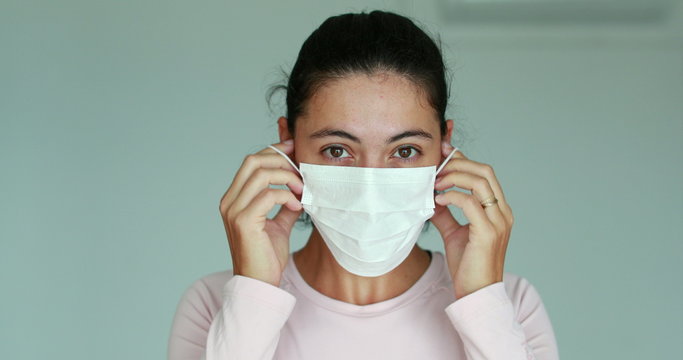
pixel 489 202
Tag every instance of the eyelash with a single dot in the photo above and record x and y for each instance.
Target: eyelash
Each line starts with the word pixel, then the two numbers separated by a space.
pixel 407 160
pixel 412 156
pixel 329 156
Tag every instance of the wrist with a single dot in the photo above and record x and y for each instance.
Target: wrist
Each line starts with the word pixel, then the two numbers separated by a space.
pixel 467 288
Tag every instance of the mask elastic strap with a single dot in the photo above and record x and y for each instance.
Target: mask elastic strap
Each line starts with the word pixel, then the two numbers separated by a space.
pixel 446 160
pixel 285 156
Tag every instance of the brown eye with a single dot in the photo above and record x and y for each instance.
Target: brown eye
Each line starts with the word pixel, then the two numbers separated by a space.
pixel 406 152
pixel 335 152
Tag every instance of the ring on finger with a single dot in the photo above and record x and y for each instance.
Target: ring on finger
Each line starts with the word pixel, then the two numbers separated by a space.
pixel 490 201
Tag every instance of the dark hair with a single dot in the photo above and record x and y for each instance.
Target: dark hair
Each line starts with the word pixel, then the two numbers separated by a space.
pixel 367 44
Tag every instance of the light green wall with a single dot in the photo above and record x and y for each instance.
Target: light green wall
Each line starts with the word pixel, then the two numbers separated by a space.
pixel 123 122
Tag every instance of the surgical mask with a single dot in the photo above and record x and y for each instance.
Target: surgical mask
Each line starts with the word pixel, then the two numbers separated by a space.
pixel 370 218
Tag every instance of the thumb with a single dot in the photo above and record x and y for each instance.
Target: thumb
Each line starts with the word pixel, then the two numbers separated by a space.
pixel 286 217
pixel 444 220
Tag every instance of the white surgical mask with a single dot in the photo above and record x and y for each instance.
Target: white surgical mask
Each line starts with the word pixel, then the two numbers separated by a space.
pixel 370 218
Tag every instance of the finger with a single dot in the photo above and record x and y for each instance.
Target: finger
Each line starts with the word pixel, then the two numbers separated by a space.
pixel 479 186
pixel 493 212
pixel 459 162
pixel 264 158
pixel 472 209
pixel 444 220
pixel 286 147
pixel 480 190
pixel 496 215
pixel 286 217
pixel 261 179
pixel 262 204
pixel 249 165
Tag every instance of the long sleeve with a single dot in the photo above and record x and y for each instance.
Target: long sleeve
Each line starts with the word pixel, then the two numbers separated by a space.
pixel 492 327
pixel 246 326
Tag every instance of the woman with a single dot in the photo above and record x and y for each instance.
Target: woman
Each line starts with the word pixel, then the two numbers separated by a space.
pixel 364 132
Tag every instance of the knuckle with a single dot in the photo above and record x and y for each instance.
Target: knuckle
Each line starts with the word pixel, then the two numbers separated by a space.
pixel 498 232
pixel 250 159
pixel 247 163
pixel 260 173
pixel 488 170
pixel 472 201
pixel 239 220
pixel 481 183
pixel 230 213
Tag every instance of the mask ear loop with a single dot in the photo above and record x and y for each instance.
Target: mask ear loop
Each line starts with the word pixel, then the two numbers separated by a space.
pixel 286 157
pixel 448 158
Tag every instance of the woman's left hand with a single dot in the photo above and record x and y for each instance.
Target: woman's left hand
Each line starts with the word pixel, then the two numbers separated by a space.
pixel 475 252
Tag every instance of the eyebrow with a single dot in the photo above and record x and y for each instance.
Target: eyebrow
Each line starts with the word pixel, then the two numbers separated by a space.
pixel 410 133
pixel 333 132
pixel 343 134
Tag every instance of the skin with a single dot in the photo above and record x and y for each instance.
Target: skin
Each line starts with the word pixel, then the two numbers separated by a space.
pixel 382 120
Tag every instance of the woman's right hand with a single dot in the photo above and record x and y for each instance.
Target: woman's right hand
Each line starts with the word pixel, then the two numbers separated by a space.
pixel 260 246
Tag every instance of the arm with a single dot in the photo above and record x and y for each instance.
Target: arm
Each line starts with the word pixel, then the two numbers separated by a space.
pixel 492 327
pixel 251 309
pixel 246 326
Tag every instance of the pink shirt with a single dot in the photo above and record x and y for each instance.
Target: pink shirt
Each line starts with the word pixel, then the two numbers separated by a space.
pixel 222 316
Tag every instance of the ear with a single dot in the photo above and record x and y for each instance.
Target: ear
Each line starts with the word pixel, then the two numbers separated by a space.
pixel 283 129
pixel 449 131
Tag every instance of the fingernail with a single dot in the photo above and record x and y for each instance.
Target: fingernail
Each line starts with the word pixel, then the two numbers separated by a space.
pixel 288 141
pixel 439 199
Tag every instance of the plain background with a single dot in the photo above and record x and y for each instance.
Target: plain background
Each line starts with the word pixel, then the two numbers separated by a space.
pixel 123 122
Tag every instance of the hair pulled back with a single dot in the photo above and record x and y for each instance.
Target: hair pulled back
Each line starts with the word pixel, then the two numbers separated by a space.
pixel 366 43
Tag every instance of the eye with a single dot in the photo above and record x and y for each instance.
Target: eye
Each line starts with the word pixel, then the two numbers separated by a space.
pixel 335 152
pixel 406 152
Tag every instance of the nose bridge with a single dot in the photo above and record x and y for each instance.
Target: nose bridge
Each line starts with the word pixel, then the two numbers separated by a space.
pixel 372 158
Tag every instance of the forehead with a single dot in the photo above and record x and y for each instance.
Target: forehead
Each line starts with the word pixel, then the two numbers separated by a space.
pixel 369 105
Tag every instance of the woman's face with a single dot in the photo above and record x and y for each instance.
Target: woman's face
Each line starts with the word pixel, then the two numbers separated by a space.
pixel 368 121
